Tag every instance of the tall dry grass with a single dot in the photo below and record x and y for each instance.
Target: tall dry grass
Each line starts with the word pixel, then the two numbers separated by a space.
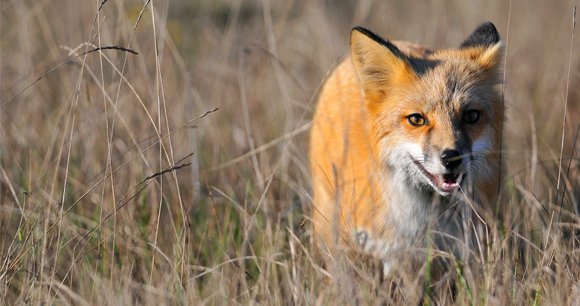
pixel 83 222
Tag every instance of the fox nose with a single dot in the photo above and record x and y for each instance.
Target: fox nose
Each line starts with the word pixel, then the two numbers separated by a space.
pixel 451 159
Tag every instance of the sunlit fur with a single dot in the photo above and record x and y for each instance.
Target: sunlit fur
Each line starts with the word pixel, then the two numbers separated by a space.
pixel 368 163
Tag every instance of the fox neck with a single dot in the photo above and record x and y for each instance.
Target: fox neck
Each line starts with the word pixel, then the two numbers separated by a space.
pixel 408 213
pixel 413 208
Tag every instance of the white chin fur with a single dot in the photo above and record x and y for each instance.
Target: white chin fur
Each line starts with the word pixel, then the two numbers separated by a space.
pixel 401 160
pixel 405 160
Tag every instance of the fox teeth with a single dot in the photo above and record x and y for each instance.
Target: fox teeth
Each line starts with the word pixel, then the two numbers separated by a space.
pixel 444 182
pixel 447 182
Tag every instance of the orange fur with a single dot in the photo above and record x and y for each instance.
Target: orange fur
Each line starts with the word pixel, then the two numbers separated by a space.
pixel 363 181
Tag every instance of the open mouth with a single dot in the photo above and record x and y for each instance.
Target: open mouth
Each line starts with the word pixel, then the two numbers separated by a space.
pixel 447 182
pixel 444 183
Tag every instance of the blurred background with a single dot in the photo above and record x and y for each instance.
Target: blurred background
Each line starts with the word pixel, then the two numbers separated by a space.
pixel 82 221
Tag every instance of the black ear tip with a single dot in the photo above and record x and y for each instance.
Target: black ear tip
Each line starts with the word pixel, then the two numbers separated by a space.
pixel 385 43
pixel 359 29
pixel 487 28
pixel 484 35
pixel 368 33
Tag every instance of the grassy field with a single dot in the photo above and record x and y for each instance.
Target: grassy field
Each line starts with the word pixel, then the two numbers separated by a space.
pixel 113 191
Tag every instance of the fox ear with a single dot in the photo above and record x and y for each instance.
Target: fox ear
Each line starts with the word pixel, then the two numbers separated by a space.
pixel 484 36
pixel 485 46
pixel 378 63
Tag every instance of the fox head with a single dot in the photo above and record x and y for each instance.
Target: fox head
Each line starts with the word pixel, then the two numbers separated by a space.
pixel 435 120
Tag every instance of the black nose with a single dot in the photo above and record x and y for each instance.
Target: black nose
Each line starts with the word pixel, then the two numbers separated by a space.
pixel 451 159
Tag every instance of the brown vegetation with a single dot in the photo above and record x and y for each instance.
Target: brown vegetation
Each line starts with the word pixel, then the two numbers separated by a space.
pixel 83 222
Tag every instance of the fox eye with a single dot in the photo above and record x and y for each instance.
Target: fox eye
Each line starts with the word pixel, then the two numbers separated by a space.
pixel 471 116
pixel 416 120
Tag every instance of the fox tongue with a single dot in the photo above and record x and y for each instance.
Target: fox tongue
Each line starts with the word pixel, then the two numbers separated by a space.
pixel 450 178
pixel 447 182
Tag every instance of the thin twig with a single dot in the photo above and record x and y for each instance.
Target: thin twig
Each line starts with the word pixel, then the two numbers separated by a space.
pixel 565 114
pixel 507 39
pixel 164 171
pixel 64 63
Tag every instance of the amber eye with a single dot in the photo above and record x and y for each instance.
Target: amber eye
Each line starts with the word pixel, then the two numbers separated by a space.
pixel 471 116
pixel 416 120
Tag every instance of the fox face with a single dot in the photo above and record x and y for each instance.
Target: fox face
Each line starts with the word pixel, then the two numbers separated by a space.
pixel 435 121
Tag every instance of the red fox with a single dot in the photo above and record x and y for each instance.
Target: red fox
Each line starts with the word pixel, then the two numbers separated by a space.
pixel 404 140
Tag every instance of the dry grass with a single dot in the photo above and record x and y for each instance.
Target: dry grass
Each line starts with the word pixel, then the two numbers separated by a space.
pixel 80 223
